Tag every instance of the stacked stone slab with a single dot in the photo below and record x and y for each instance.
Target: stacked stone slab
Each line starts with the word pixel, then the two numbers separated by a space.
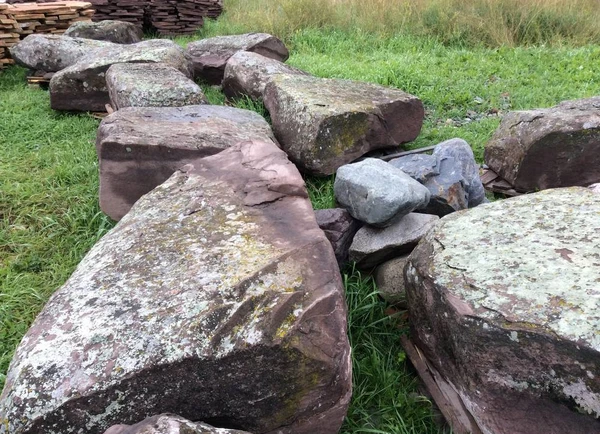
pixel 8 35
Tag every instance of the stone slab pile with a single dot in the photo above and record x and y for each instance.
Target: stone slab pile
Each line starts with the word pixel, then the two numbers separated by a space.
pixel 119 32
pixel 217 298
pixel 503 301
pixel 548 148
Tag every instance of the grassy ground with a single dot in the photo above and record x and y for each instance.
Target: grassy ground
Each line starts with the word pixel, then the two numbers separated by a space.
pixel 49 215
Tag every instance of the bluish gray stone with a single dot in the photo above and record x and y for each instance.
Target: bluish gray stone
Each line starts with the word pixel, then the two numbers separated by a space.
pixel 418 166
pixel 377 193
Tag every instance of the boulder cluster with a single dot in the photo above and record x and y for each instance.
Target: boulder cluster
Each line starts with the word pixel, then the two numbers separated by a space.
pixel 216 304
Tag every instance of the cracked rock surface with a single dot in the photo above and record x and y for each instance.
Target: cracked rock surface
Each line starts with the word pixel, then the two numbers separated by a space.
pixel 217 298
pixel 508 312
pixel 170 424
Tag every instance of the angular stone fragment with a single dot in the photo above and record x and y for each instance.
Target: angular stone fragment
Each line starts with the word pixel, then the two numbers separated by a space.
pixel 372 246
pixel 503 301
pixel 82 86
pixel 170 424
pixel 377 193
pixel 119 32
pixel 151 85
pixel 548 148
pixel 217 298
pixel 51 53
pixel 139 148
pixel 389 278
pixel 339 228
pixel 323 124
pixel 248 74
pixel 209 56
pixel 420 167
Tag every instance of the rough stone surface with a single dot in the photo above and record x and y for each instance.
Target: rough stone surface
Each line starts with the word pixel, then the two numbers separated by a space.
pixel 51 53
pixel 139 148
pixel 595 188
pixel 151 85
pixel 372 246
pixel 420 167
pixel 247 74
pixel 503 300
pixel 323 124
pixel 377 193
pixel 548 148
pixel 389 278
pixel 170 424
pixel 339 228
pixel 82 86
pixel 217 298
pixel 119 32
pixel 209 56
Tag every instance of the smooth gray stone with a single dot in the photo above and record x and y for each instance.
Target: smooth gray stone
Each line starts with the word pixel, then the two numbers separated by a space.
pixel 420 167
pixel 389 278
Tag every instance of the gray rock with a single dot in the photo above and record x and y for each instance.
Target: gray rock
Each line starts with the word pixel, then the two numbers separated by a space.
pixel 247 74
pixel 548 148
pixel 217 298
pixel 448 189
pixel 503 301
pixel 595 188
pixel 420 167
pixel 377 193
pixel 339 228
pixel 139 148
pixel 389 278
pixel 151 85
pixel 51 53
pixel 119 32
pixel 170 424
pixel 209 56
pixel 323 124
pixel 82 86
pixel 372 246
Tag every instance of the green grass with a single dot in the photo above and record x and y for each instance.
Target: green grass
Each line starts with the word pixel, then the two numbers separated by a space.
pixel 49 216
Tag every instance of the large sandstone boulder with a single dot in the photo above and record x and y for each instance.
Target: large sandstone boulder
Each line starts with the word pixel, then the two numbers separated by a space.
pixel 151 85
pixel 248 73
pixel 170 424
pixel 217 298
pixel 209 56
pixel 548 148
pixel 503 301
pixel 139 148
pixel 51 53
pixel 323 124
pixel 119 32
pixel 82 86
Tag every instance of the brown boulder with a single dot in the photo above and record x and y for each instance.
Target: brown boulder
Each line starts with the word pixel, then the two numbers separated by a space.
pixel 169 424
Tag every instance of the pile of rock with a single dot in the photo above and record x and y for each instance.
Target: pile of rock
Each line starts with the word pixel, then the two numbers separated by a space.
pixel 8 35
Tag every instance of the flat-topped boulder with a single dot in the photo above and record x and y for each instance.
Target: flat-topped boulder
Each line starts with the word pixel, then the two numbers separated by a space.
pixel 151 85
pixel 503 300
pixel 51 53
pixel 170 424
pixel 323 124
pixel 217 298
pixel 119 32
pixel 139 148
pixel 209 56
pixel 548 148
pixel 82 86
pixel 248 73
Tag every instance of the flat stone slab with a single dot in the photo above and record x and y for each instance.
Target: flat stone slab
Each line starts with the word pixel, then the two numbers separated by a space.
pixel 82 86
pixel 139 148
pixel 119 32
pixel 151 85
pixel 503 299
pixel 217 298
pixel 323 124
pixel 209 56
pixel 170 424
pixel 339 227
pixel 548 148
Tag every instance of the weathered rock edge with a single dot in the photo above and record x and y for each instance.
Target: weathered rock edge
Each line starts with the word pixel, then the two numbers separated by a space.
pixel 518 354
pixel 153 321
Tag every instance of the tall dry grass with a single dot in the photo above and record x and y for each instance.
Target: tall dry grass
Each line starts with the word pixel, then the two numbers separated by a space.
pixel 488 22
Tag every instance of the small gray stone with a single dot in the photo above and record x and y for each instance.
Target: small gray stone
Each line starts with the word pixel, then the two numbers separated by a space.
pixel 372 246
pixel 150 85
pixel 170 424
pixel 389 278
pixel 119 32
pixel 377 193
pixel 339 228
pixel 420 167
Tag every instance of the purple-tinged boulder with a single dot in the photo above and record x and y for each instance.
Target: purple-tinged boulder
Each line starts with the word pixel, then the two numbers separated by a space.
pixel 217 298
pixel 503 302
pixel 209 56
pixel 323 124
pixel 119 32
pixel 170 424
pixel 139 148
pixel 389 278
pixel 339 227
pixel 548 148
